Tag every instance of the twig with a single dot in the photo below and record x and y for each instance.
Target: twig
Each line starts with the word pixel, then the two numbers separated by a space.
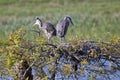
pixel 28 68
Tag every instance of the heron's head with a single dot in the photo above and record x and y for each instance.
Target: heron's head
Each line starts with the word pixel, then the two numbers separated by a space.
pixel 38 21
pixel 68 18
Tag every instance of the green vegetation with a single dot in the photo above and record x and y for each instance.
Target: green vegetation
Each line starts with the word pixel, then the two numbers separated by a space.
pixel 18 57
pixel 93 19
pixel 21 49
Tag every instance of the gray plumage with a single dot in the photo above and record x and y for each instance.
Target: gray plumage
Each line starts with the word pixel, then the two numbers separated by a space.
pixel 47 28
pixel 62 27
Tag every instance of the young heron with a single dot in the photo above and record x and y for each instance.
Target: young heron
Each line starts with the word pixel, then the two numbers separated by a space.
pixel 62 27
pixel 47 28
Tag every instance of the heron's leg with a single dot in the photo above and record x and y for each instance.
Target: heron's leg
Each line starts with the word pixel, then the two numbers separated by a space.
pixel 64 40
pixel 39 33
pixel 49 39
pixel 60 40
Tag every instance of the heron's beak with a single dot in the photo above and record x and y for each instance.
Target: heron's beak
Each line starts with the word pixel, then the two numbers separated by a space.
pixel 34 24
pixel 71 22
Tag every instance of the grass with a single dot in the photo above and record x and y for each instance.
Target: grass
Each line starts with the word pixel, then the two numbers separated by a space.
pixel 93 20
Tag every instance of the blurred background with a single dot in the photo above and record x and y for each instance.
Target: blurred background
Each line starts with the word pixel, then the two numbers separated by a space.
pixel 93 19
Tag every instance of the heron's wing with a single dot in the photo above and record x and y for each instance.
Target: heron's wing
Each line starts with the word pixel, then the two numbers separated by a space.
pixel 65 27
pixel 62 28
pixel 50 28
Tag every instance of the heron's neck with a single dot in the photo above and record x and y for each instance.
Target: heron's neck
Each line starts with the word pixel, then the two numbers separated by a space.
pixel 40 25
pixel 65 18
